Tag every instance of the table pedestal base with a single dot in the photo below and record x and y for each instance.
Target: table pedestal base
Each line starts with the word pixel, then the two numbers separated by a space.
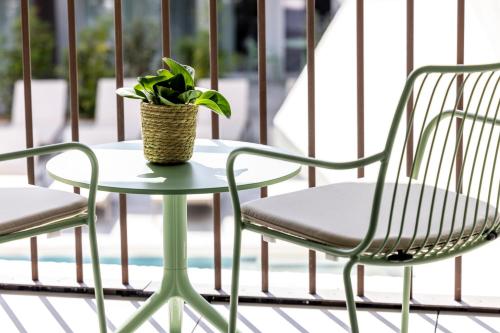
pixel 175 287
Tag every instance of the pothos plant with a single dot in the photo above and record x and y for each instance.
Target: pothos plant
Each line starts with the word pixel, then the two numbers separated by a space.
pixel 174 86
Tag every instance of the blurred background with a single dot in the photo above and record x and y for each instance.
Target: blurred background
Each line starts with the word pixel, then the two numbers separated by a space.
pixel 237 20
pixel 142 41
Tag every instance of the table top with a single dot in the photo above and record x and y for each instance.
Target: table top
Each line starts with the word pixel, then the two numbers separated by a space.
pixel 123 169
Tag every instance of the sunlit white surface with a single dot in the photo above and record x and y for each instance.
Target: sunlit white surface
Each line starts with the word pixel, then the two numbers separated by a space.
pixel 385 71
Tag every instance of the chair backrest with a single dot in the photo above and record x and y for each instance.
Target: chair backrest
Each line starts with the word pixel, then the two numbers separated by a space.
pixel 49 99
pixel 449 140
pixel 237 91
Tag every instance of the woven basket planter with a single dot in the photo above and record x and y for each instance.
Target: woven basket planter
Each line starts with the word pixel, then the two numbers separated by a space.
pixel 168 132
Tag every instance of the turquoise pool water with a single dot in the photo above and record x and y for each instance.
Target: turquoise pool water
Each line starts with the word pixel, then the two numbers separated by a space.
pixel 249 263
pixel 137 261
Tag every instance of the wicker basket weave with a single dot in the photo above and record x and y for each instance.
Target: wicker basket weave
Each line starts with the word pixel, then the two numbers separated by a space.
pixel 168 132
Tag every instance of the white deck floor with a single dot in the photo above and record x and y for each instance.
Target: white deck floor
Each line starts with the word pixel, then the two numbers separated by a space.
pixel 36 313
pixel 55 314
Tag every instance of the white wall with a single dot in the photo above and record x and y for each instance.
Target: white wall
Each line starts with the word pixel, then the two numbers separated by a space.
pixel 385 70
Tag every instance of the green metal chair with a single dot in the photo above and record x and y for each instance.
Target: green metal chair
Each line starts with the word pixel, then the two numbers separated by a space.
pixel 28 211
pixel 436 195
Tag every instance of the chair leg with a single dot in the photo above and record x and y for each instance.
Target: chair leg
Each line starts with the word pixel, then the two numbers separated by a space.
pixel 405 304
pixel 99 295
pixel 351 305
pixel 233 309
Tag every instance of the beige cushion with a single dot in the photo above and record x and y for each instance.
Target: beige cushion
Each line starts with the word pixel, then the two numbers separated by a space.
pixel 30 206
pixel 339 214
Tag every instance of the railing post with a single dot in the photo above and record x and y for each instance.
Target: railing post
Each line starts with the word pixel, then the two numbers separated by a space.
pixel 165 27
pixel 311 118
pixel 459 161
pixel 262 77
pixel 410 29
pixel 214 84
pixel 28 115
pixel 120 129
pixel 360 88
pixel 410 19
pixel 74 114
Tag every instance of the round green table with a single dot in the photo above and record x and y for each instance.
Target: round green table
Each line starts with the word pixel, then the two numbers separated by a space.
pixel 123 169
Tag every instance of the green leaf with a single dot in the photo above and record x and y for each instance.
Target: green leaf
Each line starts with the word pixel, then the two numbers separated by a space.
pixel 165 101
pixel 217 99
pixel 186 71
pixel 167 92
pixel 177 83
pixel 129 93
pixel 191 71
pixel 164 72
pixel 149 81
pixel 170 94
pixel 190 95
pixel 139 90
pixel 209 104
pixel 150 97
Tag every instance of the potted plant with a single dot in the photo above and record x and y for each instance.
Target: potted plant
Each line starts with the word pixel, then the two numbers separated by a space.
pixel 169 106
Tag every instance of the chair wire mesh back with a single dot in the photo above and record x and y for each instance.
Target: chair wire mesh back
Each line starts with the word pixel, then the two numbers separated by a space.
pixel 447 198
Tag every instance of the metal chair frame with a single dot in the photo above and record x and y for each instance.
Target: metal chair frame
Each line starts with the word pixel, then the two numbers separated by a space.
pixel 87 218
pixel 445 247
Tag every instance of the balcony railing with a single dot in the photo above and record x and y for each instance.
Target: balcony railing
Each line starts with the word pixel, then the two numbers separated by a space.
pixel 262 104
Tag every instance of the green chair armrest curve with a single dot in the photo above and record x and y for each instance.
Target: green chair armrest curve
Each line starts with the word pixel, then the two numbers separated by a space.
pixel 233 190
pixel 57 148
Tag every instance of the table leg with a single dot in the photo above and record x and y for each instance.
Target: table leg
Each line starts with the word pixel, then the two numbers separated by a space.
pixel 176 308
pixel 205 309
pixel 175 286
pixel 144 313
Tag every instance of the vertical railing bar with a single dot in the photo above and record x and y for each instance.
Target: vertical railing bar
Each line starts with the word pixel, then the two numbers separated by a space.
pixel 311 119
pixel 214 84
pixel 360 82
pixel 28 118
pixel 460 60
pixel 73 109
pixel 262 78
pixel 410 43
pixel 214 63
pixel 121 136
pixel 78 249
pixel 119 69
pixel 360 86
pixel 410 28
pixel 165 27
pixel 73 71
pixel 217 242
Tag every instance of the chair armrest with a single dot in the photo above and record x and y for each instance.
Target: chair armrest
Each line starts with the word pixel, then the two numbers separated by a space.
pixel 303 159
pixel 379 157
pixel 295 159
pixel 291 158
pixel 57 148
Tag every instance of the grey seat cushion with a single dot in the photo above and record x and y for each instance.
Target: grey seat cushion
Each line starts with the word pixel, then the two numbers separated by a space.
pixel 339 214
pixel 31 206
